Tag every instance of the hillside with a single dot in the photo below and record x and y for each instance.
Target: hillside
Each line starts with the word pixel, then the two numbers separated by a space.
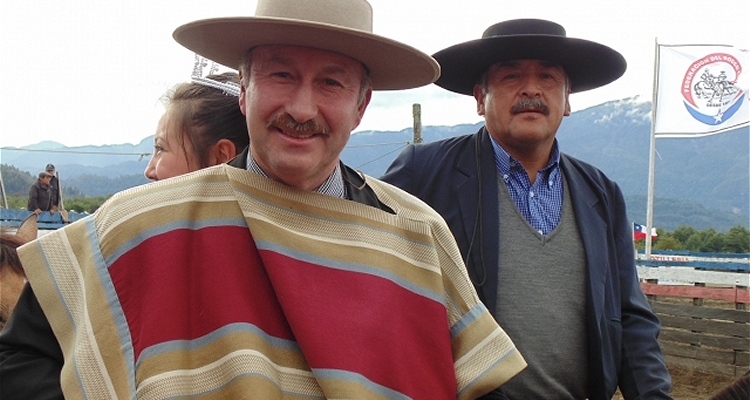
pixel 697 181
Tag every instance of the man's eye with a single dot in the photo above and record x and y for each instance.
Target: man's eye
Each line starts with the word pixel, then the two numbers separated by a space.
pixel 332 82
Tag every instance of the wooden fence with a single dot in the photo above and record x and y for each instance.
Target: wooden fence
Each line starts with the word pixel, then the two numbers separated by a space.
pixel 704 315
pixel 45 221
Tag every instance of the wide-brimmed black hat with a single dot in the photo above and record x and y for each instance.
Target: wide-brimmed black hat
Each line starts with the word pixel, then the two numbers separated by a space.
pixel 588 64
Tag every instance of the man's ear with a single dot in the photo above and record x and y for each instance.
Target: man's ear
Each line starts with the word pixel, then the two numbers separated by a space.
pixel 479 97
pixel 362 107
pixel 243 94
pixel 221 152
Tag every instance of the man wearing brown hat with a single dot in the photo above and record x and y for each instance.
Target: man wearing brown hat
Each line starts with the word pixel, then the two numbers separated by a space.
pixel 40 194
pixel 283 275
pixel 545 236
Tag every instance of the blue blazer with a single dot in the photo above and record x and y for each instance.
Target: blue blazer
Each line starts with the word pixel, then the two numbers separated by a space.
pixel 458 178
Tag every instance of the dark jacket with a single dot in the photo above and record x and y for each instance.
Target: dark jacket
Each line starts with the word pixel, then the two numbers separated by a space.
pixel 31 358
pixel 54 185
pixel 40 196
pixel 458 178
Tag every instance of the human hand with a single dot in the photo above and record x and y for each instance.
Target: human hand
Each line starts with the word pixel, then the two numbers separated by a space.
pixel 52 211
pixel 37 211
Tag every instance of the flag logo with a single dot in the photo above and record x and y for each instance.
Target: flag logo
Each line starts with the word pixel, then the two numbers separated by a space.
pixel 700 90
pixel 710 90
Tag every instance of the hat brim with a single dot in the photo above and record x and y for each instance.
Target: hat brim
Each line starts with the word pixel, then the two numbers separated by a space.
pixel 392 65
pixel 588 64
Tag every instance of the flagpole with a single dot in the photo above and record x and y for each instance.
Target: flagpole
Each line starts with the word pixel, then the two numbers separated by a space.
pixel 652 155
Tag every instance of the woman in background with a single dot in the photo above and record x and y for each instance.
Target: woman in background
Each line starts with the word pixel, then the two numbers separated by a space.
pixel 202 126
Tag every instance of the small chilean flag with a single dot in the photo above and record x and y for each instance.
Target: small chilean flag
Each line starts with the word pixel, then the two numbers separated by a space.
pixel 639 232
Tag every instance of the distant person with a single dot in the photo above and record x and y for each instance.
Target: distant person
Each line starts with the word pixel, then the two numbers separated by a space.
pixel 12 277
pixel 54 184
pixel 202 126
pixel 545 236
pixel 283 274
pixel 40 195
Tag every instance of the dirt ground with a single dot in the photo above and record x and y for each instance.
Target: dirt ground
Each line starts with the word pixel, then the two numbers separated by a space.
pixel 689 384
pixel 693 385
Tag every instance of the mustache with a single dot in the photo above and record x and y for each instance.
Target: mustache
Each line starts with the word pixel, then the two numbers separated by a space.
pixel 310 127
pixel 530 105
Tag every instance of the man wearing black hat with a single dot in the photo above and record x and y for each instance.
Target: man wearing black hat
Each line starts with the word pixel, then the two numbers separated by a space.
pixel 54 184
pixel 544 236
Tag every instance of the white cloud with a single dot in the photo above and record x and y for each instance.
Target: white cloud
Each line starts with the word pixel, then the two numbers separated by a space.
pixel 91 72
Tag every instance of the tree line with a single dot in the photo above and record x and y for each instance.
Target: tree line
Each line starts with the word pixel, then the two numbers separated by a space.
pixel 736 240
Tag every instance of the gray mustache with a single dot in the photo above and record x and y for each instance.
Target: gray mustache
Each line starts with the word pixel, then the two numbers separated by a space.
pixel 530 105
pixel 308 127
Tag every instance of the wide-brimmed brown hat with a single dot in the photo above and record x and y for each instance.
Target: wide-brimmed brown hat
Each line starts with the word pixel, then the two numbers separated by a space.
pixel 341 26
pixel 588 64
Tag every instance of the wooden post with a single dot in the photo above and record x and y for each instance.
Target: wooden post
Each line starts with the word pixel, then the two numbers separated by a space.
pixel 416 111
pixel 2 189
pixel 652 297
pixel 61 205
pixel 740 306
pixel 699 301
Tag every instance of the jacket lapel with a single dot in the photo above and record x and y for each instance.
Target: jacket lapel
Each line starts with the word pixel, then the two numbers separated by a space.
pixel 479 204
pixel 593 230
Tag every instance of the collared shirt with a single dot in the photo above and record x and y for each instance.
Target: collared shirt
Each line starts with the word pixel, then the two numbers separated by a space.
pixel 540 203
pixel 333 186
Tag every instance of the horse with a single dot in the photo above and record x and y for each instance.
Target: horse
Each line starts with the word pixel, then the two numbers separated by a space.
pixel 737 390
pixel 12 276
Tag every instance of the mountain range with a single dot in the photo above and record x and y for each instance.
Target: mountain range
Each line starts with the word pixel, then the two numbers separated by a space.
pixel 706 178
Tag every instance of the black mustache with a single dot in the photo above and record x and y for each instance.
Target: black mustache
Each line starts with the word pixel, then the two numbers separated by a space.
pixel 307 127
pixel 530 105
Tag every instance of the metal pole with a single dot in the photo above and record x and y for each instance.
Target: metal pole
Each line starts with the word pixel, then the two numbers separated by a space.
pixel 652 155
pixel 416 111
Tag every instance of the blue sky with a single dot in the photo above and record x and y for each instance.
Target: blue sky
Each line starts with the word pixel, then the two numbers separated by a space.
pixel 92 72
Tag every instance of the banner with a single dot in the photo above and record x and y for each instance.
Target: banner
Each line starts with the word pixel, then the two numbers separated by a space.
pixel 701 90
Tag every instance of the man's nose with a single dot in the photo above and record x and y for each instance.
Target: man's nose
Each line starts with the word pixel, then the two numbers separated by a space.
pixel 302 105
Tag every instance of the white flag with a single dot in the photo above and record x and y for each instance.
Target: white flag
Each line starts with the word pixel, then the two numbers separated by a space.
pixel 702 90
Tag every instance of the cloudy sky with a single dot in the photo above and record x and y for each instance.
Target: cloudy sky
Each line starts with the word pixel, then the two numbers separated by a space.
pixel 91 72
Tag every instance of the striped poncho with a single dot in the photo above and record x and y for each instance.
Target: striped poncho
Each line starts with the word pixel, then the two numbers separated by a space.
pixel 225 284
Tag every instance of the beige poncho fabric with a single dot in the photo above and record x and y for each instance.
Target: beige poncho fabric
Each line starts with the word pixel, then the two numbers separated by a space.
pixel 225 284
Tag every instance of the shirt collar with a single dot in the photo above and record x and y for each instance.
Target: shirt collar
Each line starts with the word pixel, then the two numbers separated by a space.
pixel 333 186
pixel 505 163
